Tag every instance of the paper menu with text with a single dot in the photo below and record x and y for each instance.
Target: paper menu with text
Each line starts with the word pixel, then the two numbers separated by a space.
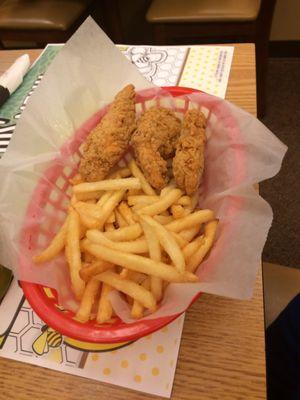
pixel 148 364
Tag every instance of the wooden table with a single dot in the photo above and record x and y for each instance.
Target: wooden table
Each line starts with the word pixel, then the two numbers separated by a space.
pixel 222 354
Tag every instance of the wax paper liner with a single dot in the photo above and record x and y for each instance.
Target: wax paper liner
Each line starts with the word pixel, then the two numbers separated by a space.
pixel 240 152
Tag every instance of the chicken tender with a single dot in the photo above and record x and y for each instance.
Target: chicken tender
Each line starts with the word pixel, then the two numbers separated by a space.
pixel 154 141
pixel 188 163
pixel 109 140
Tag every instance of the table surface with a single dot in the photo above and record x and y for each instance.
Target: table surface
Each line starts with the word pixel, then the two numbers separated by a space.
pixel 222 353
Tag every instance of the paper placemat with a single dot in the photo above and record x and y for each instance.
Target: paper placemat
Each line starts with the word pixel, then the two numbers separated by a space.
pixel 148 364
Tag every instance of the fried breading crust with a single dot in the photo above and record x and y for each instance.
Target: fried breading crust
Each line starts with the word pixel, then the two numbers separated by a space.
pixel 188 163
pixel 109 140
pixel 154 141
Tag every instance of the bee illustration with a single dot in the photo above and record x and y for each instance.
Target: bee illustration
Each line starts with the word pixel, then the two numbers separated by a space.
pixel 49 338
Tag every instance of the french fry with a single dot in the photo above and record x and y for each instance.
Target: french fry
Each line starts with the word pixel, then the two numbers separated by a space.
pixel 87 301
pixel 124 274
pixel 165 191
pixel 179 239
pixel 184 201
pixel 126 213
pixel 73 200
pixel 120 220
pixel 55 247
pixel 162 219
pixel 177 211
pixel 138 263
pixel 137 308
pixel 143 200
pixel 124 172
pixel 192 247
pixel 87 208
pixel 161 205
pixel 198 217
pixel 105 310
pixel 85 211
pixel 88 221
pixel 111 219
pixel 88 196
pixel 108 184
pixel 76 179
pixel 73 254
pixel 155 255
pixel 119 172
pixel 130 288
pixel 186 210
pixel 137 207
pixel 168 242
pixel 103 199
pixel 91 201
pixel 136 277
pixel 138 246
pixel 194 201
pixel 152 239
pixel 209 237
pixel 147 188
pixel 171 185
pixel 131 232
pixel 93 269
pixel 92 215
pixel 109 207
pixel 189 234
pixel 109 227
pixel 135 192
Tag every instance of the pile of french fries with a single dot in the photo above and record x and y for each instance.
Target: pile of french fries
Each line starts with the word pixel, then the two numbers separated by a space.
pixel 119 234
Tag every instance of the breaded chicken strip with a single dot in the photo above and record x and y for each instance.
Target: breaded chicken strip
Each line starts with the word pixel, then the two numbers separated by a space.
pixel 154 141
pixel 188 163
pixel 109 140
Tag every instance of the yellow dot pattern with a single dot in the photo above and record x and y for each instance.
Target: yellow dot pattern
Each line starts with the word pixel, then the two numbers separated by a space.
pixel 95 357
pixel 106 371
pixel 138 378
pixel 143 357
pixel 207 68
pixel 124 363
pixel 160 349
pixel 155 371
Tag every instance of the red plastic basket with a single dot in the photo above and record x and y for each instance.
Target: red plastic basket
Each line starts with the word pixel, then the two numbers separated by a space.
pixel 44 300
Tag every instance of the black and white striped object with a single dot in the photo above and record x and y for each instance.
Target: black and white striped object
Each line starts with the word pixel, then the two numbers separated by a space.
pixel 7 130
pixel 5 136
pixel 23 105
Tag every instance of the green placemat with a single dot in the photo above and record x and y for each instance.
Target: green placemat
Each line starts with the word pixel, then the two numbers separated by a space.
pixel 11 109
